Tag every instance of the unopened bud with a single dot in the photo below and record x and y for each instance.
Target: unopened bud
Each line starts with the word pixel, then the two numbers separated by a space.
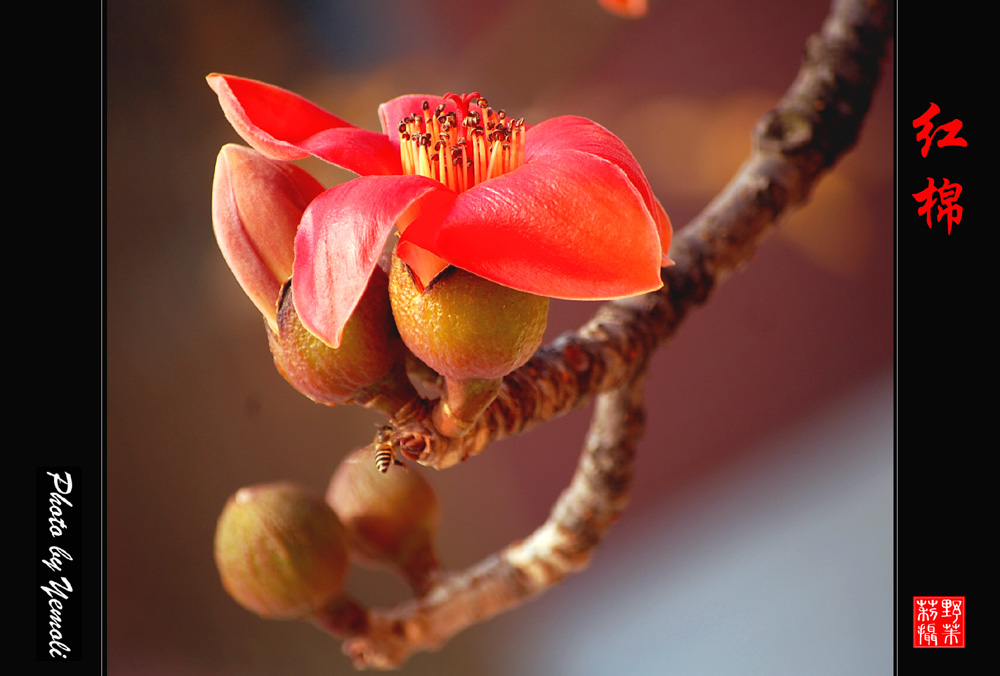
pixel 390 518
pixel 280 551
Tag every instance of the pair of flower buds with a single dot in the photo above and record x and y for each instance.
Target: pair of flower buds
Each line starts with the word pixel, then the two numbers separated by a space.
pixel 283 553
pixel 493 217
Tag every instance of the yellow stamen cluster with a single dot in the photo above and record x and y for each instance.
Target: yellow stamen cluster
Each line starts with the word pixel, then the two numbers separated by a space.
pixel 461 148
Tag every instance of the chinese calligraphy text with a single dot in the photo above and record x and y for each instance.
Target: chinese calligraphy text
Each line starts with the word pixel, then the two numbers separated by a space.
pixel 946 196
pixel 938 621
pixel 928 131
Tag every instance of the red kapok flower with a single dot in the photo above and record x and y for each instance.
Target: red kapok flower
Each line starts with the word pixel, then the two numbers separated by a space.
pixel 560 209
pixel 632 9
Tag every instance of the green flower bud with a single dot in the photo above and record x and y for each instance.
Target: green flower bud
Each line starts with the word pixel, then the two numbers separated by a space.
pixel 470 330
pixel 390 519
pixel 280 551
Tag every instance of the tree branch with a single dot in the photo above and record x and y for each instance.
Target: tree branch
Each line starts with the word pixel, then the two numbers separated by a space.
pixel 597 494
pixel 816 122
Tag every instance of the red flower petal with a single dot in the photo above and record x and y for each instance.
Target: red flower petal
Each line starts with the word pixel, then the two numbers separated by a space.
pixel 424 265
pixel 566 225
pixel 569 132
pixel 340 240
pixel 256 206
pixel 284 126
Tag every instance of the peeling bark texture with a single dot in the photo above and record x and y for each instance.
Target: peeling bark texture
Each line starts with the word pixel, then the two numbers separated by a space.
pixel 817 120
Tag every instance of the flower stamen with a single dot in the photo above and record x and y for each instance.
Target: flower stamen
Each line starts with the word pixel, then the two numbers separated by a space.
pixel 464 147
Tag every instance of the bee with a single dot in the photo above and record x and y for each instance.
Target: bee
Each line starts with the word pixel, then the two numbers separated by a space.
pixel 385 456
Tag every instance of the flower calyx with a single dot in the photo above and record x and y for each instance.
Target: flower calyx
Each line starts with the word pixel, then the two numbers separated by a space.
pixel 368 368
pixel 469 330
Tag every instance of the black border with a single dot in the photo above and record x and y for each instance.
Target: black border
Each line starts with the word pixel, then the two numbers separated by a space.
pixel 943 293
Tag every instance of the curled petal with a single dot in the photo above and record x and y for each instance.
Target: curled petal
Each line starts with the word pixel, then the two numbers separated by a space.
pixel 340 240
pixel 570 132
pixel 256 207
pixel 567 225
pixel 284 126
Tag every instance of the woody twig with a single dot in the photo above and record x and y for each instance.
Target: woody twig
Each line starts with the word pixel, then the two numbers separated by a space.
pixel 817 120
pixel 595 497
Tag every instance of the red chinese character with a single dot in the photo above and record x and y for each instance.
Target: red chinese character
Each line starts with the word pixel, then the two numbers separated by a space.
pixel 951 130
pixel 947 194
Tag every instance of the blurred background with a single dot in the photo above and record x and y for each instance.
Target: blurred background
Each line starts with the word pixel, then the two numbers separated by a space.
pixel 759 537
